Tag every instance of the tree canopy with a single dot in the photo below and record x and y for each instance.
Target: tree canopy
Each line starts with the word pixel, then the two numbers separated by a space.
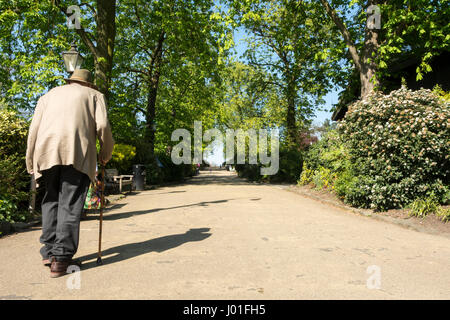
pixel 165 64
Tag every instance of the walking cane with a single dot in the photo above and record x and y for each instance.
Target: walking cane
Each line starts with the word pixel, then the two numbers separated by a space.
pixel 32 206
pixel 102 203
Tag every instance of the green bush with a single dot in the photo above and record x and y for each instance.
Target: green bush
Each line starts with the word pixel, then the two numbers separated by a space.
pixel 441 93
pixel 291 163
pixel 345 181
pixel 423 207
pixel 122 158
pixel 13 133
pixel 14 179
pixel 169 172
pixel 387 152
pixel 290 167
pixel 430 205
pixel 326 164
pixel 306 175
pixel 249 171
pixel 443 214
pixel 8 210
pixel 14 184
pixel 165 170
pixel 154 174
pixel 323 178
pixel 399 147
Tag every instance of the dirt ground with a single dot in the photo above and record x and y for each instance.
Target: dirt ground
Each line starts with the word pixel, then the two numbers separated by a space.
pixel 430 224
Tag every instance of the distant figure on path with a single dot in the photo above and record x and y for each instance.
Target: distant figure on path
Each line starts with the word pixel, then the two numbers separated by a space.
pixel 62 154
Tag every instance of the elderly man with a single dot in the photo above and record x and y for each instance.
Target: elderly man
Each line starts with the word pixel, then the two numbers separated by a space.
pixel 62 155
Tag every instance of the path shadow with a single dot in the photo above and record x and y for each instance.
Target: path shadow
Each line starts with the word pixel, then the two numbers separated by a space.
pixel 93 214
pixel 180 191
pixel 132 250
pixel 115 206
pixel 206 178
pixel 122 215
pixel 154 194
pixel 109 208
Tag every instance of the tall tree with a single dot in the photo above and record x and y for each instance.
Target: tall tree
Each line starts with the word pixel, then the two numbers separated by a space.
pixel 250 100
pixel 32 37
pixel 413 28
pixel 169 47
pixel 364 60
pixel 285 42
pixel 101 42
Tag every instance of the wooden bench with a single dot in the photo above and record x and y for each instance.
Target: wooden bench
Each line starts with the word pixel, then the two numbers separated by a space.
pixel 112 176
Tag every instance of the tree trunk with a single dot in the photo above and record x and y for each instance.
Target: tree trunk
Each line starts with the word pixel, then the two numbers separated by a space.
pixel 106 33
pixel 151 113
pixel 365 61
pixel 369 54
pixel 103 49
pixel 290 120
pixel 290 117
pixel 155 74
pixel 368 80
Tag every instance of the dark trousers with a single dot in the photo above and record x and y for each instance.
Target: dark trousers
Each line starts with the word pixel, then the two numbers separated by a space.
pixel 65 192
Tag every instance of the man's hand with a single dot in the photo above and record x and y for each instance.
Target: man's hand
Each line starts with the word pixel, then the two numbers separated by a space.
pixel 102 162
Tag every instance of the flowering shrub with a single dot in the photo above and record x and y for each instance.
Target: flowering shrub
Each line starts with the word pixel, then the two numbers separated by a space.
pixel 122 158
pixel 14 179
pixel 399 147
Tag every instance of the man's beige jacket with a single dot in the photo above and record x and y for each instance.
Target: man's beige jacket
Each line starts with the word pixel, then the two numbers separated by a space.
pixel 66 122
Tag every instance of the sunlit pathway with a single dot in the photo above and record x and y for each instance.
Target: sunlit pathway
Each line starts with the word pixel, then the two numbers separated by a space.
pixel 218 237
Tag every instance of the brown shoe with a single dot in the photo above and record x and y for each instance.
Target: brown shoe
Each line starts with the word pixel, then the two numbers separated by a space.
pixel 48 262
pixel 59 268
